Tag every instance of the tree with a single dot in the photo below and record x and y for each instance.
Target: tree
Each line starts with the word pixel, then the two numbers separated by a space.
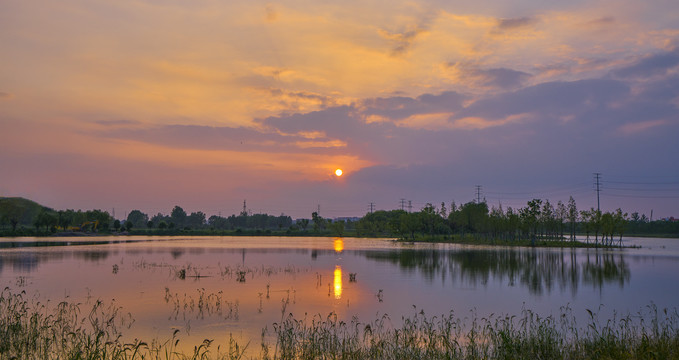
pixel 338 227
pixel 137 218
pixel 196 220
pixel 116 224
pixel 178 216
pixel 572 216
pixel 303 223
pixel 149 224
pixel 129 225
pixel 530 216
pixel 561 215
pixel 319 222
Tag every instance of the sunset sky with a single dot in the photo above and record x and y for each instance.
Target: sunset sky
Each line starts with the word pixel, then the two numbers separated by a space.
pixel 147 104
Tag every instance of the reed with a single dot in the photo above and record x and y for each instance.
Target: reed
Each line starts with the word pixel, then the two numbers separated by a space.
pixel 33 330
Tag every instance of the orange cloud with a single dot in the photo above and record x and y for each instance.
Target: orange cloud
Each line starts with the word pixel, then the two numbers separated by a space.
pixel 635 128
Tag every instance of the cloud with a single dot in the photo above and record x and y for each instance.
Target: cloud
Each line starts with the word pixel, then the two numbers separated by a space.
pixel 634 128
pixel 118 122
pixel 474 76
pixel 271 13
pixel 602 21
pixel 650 65
pixel 5 95
pixel 239 139
pixel 403 40
pixel 515 23
pixel 549 100
pixel 401 107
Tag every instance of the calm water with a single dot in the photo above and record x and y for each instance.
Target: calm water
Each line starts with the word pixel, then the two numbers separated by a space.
pixel 210 287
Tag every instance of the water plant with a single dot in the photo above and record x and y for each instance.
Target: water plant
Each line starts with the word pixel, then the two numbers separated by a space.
pixel 30 329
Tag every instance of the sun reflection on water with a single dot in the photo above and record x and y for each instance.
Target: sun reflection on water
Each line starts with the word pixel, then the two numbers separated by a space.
pixel 338 244
pixel 338 282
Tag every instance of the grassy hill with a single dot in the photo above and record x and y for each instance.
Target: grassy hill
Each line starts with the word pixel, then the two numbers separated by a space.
pixel 21 210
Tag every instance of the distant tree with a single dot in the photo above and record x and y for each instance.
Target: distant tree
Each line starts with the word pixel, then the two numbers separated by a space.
pixel 162 225
pixel 561 214
pixel 137 218
pixel 303 223
pixel 635 217
pixel 13 213
pixel 319 222
pixel 530 215
pixel 116 224
pixel 178 216
pixel 196 220
pixel 149 224
pixel 45 218
pixel 338 227
pixel 129 225
pixel 572 216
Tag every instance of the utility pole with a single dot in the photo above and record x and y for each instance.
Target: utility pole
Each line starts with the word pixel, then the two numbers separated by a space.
pixel 597 178
pixel 478 194
pixel 372 207
pixel 245 208
pixel 410 206
pixel 318 209
pixel 403 203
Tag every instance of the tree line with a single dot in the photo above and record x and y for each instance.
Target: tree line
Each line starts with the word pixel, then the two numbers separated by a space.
pixel 539 220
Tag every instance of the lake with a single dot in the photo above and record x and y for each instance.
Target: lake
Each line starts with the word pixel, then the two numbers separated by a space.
pixel 216 287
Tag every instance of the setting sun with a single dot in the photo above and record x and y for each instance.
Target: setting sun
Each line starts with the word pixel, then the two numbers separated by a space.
pixel 338 172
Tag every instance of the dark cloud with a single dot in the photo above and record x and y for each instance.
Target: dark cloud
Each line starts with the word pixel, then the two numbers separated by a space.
pixel 501 77
pixel 401 107
pixel 550 100
pixel 602 21
pixel 514 23
pixel 117 122
pixel 657 64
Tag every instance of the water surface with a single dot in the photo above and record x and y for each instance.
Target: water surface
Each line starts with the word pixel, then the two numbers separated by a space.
pixel 210 287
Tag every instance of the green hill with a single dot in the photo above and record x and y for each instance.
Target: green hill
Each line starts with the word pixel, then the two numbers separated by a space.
pixel 19 211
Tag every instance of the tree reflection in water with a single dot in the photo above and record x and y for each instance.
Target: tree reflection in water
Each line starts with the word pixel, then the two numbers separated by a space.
pixel 538 270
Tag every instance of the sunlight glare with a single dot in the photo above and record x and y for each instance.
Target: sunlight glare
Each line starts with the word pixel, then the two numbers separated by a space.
pixel 338 172
pixel 338 282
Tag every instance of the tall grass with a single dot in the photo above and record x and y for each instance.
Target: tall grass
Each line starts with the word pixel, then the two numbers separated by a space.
pixel 649 334
pixel 34 330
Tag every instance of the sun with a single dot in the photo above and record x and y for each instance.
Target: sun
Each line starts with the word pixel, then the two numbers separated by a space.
pixel 338 172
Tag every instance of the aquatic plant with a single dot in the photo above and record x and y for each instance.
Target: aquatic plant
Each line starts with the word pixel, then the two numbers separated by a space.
pixel 30 329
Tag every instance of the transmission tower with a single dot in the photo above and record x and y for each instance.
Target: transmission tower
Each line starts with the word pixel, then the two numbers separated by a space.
pixel 372 207
pixel 403 204
pixel 478 194
pixel 597 183
pixel 410 206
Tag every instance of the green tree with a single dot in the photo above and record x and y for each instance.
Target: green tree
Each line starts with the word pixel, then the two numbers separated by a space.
pixel 572 216
pixel 116 224
pixel 338 227
pixel 319 222
pixel 178 216
pixel 137 218
pixel 196 220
